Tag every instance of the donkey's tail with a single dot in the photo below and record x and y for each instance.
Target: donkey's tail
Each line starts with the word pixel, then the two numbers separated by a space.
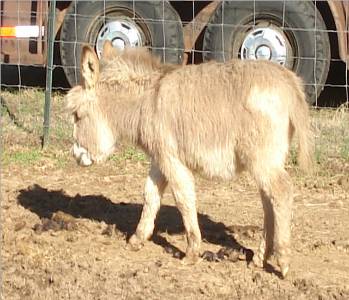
pixel 300 120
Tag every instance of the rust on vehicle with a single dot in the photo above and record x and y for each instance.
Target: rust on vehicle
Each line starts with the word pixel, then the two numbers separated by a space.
pixel 192 30
pixel 40 21
pixel 23 50
pixel 339 11
pixel 33 50
pixel 60 14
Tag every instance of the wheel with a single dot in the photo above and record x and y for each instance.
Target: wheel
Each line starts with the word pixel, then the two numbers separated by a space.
pixel 124 23
pixel 280 31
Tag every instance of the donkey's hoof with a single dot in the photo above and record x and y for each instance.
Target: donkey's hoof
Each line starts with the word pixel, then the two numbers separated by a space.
pixel 284 270
pixel 134 243
pixel 256 262
pixel 284 265
pixel 190 260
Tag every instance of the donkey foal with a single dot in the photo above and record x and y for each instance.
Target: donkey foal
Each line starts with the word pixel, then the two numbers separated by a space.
pixel 216 118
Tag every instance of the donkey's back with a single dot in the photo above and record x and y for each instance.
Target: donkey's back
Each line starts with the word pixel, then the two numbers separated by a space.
pixel 223 118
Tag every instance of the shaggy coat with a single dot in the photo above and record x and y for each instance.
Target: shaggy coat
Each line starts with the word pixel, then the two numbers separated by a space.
pixel 216 118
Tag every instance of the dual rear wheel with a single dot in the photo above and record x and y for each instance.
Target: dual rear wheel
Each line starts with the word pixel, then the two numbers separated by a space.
pixel 290 33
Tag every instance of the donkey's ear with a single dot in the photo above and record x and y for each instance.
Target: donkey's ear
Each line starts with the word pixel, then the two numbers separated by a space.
pixel 108 50
pixel 89 67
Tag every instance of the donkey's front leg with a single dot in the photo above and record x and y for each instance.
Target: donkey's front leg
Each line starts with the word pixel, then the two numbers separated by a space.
pixel 183 187
pixel 154 188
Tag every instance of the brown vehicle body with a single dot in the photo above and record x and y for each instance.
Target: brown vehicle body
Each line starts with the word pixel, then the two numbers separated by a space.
pixel 32 51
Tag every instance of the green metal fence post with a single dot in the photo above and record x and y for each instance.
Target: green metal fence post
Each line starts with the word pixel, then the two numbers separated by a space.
pixel 49 70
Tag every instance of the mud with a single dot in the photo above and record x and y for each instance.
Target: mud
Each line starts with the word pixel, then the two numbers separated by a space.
pixel 65 231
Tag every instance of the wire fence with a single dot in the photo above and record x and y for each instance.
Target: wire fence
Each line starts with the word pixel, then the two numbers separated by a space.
pixel 41 45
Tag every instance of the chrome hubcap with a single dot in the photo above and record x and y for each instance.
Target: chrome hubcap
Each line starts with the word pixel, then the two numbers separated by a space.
pixel 267 44
pixel 122 33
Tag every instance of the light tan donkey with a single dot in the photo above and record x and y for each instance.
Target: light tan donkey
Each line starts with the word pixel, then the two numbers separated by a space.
pixel 218 118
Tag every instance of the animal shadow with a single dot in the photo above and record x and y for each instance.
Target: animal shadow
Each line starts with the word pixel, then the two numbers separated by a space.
pixel 125 216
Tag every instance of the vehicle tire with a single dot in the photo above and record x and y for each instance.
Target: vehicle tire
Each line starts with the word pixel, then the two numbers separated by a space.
pixel 282 31
pixel 125 23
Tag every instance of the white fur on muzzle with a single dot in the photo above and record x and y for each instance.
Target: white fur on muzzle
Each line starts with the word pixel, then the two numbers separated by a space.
pixel 81 155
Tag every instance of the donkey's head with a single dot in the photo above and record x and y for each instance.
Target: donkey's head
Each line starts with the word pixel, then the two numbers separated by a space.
pixel 94 140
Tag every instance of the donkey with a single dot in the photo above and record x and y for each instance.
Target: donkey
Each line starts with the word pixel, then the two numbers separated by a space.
pixel 216 118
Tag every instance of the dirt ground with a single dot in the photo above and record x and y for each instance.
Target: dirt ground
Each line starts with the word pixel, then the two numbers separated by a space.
pixel 64 227
pixel 64 232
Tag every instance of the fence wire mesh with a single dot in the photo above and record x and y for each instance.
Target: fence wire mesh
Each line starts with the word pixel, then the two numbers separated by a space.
pixel 309 37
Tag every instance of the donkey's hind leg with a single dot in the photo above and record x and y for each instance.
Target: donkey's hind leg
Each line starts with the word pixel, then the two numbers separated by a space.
pixel 154 188
pixel 267 243
pixel 277 196
pixel 183 188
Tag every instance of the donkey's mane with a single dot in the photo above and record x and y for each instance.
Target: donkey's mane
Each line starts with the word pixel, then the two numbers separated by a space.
pixel 141 57
pixel 133 65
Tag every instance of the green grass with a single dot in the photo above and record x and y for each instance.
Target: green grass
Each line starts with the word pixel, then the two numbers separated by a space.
pixel 23 111
pixel 331 128
pixel 22 157
pixel 22 128
pixel 344 149
pixel 319 153
pixel 292 158
pixel 129 153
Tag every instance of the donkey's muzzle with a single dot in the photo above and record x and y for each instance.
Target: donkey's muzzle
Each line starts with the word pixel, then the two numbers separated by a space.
pixel 81 155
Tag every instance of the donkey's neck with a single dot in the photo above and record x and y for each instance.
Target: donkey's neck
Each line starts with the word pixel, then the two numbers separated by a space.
pixel 123 110
pixel 126 124
pixel 128 98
